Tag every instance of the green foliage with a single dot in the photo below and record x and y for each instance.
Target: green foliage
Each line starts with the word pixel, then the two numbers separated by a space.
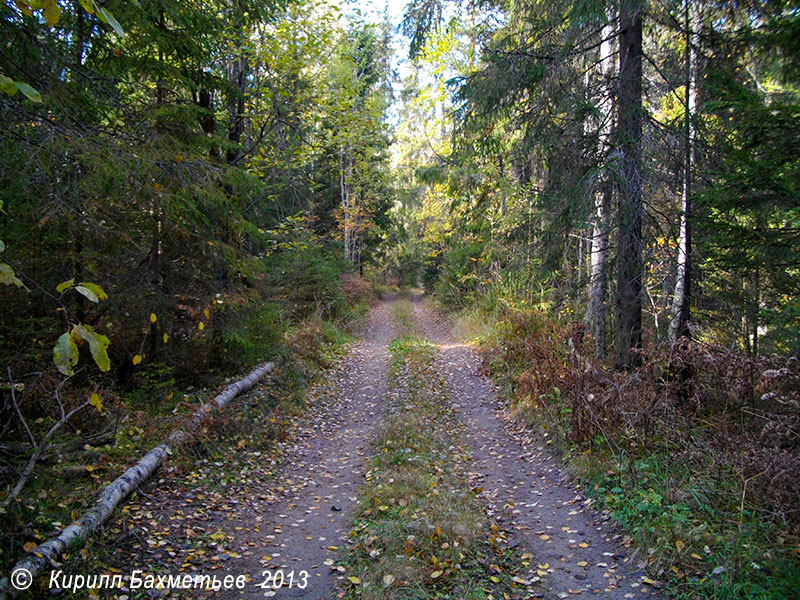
pixel 155 387
pixel 248 334
pixel 751 216
pixel 65 352
pixel 458 273
pixel 7 274
pixel 304 273
pixel 149 166
pixel 11 87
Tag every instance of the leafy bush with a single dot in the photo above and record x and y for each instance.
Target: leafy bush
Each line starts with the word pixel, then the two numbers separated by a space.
pixel 457 275
pixel 247 334
pixel 356 289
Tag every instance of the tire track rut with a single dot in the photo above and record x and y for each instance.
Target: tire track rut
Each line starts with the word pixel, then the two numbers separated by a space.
pixel 525 488
pixel 323 466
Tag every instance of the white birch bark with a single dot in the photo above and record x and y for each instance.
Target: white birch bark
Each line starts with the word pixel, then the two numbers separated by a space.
pixel 595 317
pixel 679 317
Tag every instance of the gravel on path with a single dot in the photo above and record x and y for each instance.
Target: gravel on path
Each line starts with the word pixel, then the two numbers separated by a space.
pixel 324 465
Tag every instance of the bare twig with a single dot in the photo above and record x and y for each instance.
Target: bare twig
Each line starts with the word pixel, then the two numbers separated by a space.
pixel 17 410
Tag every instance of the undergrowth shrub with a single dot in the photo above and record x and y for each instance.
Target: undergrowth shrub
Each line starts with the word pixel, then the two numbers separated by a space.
pixel 713 401
pixel 454 275
pixel 247 334
pixel 301 273
pixel 356 289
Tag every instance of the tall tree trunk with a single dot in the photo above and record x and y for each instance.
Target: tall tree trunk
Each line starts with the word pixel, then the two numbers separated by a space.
pixel 753 307
pixel 162 25
pixel 237 80
pixel 237 77
pixel 598 278
pixel 78 36
pixel 629 214
pixel 205 100
pixel 679 319
pixel 595 317
pixel 345 178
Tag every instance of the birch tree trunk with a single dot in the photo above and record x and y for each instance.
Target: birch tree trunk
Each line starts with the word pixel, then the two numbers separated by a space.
pixel 679 318
pixel 595 317
pixel 629 187
pixel 345 184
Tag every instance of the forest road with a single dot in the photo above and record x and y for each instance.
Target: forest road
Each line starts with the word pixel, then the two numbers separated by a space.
pixel 525 488
pixel 322 468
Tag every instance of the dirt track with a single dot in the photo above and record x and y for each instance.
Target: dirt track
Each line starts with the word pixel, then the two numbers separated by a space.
pixel 523 485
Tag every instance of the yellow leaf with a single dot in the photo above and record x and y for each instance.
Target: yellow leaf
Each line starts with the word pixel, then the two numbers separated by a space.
pixel 544 537
pixel 696 556
pixel 354 580
pixel 679 545
pixel 495 579
pixel 166 338
pixel 153 317
pixel 648 581
pixel 137 359
pixel 388 580
pixel 582 563
pixel 51 12
pixel 65 285
pixel 206 313
pixel 89 468
pixel 583 545
pixel 95 401
pixel 436 574
pixel 29 546
pixel 84 553
pixel 201 326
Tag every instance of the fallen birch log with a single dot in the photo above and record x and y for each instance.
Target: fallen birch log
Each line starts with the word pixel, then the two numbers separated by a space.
pixel 41 557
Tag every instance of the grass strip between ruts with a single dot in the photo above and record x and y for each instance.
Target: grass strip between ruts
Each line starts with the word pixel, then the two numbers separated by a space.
pixel 419 531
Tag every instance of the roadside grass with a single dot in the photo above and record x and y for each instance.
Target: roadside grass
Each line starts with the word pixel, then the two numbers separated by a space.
pixel 700 533
pixel 419 531
pixel 695 520
pixel 401 312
